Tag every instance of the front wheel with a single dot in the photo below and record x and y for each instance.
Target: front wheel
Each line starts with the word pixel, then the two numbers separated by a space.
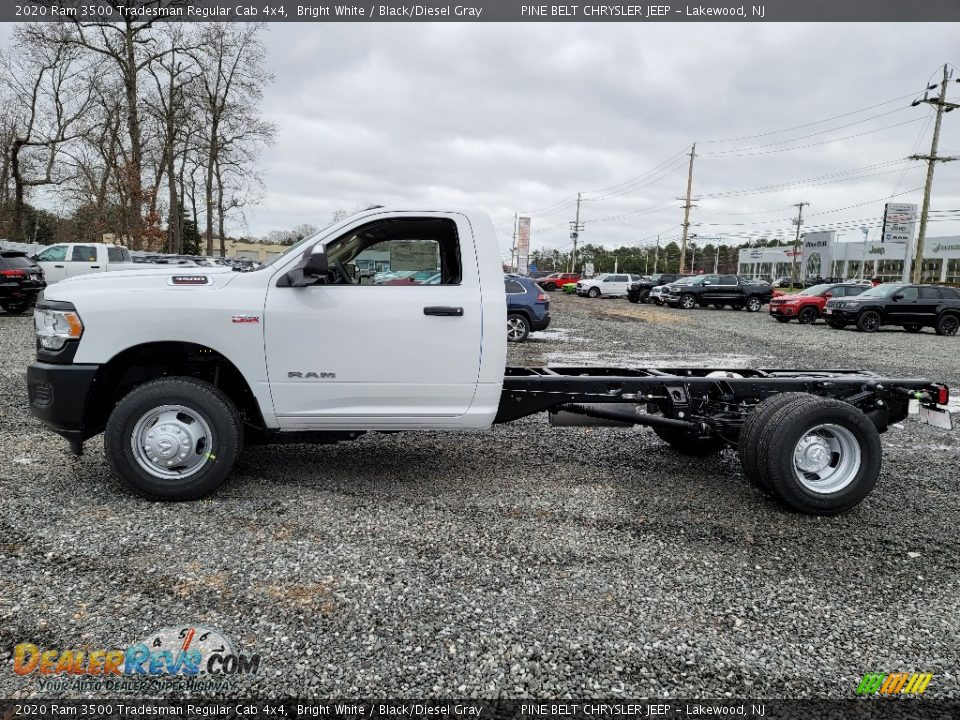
pixel 869 321
pixel 518 328
pixel 15 307
pixel 175 438
pixel 688 301
pixel 633 298
pixel 550 287
pixel 594 292
pixel 754 304
pixel 948 324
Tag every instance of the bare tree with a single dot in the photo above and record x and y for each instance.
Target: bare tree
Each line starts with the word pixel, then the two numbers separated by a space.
pixel 53 90
pixel 232 58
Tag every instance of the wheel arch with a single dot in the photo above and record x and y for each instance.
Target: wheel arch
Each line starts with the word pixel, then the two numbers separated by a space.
pixel 138 364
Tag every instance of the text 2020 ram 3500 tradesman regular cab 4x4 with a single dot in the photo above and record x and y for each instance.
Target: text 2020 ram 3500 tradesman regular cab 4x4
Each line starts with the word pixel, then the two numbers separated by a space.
pixel 180 367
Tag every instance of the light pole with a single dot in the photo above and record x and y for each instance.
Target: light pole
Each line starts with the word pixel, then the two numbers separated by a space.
pixel 863 260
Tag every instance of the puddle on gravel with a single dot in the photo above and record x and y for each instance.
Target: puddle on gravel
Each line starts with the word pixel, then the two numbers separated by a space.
pixel 555 335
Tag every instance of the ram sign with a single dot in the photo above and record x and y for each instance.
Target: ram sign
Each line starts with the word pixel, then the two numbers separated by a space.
pixel 899 221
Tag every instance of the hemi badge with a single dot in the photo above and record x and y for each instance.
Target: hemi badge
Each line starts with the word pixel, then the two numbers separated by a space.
pixel 246 318
pixel 190 280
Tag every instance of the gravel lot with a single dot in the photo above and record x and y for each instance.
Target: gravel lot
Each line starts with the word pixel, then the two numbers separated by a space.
pixel 522 562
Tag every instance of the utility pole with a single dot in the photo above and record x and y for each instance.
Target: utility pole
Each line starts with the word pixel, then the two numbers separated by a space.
pixel 656 256
pixel 575 228
pixel 932 159
pixel 798 221
pixel 686 209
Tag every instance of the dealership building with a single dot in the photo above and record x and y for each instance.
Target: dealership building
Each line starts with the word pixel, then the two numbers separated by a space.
pixel 827 254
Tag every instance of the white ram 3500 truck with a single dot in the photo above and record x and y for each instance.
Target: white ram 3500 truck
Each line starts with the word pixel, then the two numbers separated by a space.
pixel 180 367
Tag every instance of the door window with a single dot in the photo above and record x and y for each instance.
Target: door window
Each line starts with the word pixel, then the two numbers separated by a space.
pixel 118 254
pixel 728 280
pixel 84 253
pixel 929 293
pixel 400 252
pixel 909 293
pixel 57 253
pixel 513 287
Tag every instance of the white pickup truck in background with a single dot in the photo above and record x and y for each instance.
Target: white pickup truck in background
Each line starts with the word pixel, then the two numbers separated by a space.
pixel 71 259
pixel 180 367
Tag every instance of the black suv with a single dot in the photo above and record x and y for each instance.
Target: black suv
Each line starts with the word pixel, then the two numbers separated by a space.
pixel 719 290
pixel 640 291
pixel 912 307
pixel 21 280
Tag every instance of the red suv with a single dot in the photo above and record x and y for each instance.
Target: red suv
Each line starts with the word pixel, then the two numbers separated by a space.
pixel 558 280
pixel 808 305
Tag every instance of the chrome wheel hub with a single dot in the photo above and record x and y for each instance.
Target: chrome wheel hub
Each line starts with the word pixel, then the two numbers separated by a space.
pixel 172 441
pixel 827 458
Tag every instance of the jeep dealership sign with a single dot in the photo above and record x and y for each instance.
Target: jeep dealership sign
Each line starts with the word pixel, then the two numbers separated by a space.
pixel 899 221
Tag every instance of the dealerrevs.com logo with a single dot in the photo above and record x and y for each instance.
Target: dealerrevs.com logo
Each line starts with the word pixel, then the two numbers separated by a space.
pixel 186 651
pixel 894 684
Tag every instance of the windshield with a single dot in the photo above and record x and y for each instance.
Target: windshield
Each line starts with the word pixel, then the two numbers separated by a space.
pixel 816 290
pixel 885 290
pixel 687 280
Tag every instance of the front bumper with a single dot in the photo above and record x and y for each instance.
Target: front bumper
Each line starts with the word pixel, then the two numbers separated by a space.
pixel 847 315
pixel 59 398
pixel 783 310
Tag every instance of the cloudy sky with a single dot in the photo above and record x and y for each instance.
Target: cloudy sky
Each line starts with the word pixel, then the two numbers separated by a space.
pixel 521 117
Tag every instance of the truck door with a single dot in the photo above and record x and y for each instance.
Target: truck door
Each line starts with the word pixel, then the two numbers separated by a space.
pixel 927 304
pixel 83 260
pixel 903 309
pixel 53 260
pixel 390 350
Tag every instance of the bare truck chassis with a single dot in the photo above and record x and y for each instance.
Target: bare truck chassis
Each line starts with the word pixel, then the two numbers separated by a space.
pixel 809 438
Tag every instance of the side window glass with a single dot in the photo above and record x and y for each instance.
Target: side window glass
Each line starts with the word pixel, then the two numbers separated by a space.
pixel 909 293
pixel 513 287
pixel 57 253
pixel 929 293
pixel 838 292
pixel 84 253
pixel 118 254
pixel 728 280
pixel 400 252
pixel 854 290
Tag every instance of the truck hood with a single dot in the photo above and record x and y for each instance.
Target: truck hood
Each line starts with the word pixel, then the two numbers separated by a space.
pixel 160 278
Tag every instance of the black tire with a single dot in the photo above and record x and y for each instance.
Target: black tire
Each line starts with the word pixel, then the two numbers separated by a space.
pixel 550 287
pixel 684 444
pixel 645 296
pixel 518 328
pixel 658 302
pixel 593 292
pixel 633 298
pixel 15 307
pixel 754 304
pixel 753 428
pixel 807 315
pixel 948 324
pixel 868 321
pixel 913 328
pixel 780 319
pixel 836 324
pixel 199 397
pixel 784 432
pixel 687 302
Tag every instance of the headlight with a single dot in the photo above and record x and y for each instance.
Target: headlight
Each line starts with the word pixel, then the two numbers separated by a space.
pixel 55 327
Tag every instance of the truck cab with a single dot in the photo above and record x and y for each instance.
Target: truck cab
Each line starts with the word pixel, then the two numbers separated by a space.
pixel 71 259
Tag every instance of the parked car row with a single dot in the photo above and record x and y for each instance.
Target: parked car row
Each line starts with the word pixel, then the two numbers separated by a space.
pixel 21 280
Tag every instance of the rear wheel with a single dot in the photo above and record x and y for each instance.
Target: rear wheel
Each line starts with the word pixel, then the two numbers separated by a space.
pixel 594 292
pixel 750 434
pixel 685 444
pixel 688 301
pixel 820 456
pixel 869 321
pixel 754 304
pixel 807 315
pixel 550 286
pixel 913 328
pixel 948 324
pixel 633 298
pixel 175 438
pixel 644 296
pixel 518 328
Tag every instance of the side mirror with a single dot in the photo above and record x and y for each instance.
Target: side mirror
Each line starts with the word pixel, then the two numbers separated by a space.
pixel 316 265
pixel 828 295
pixel 897 296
